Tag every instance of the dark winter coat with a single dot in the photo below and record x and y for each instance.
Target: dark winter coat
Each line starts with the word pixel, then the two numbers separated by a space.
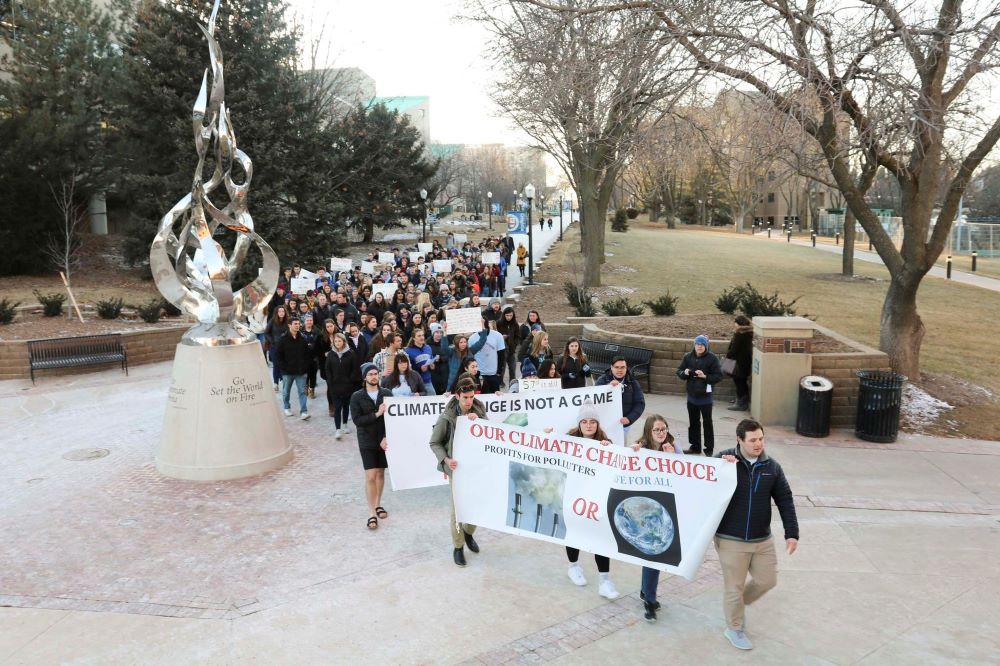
pixel 360 349
pixel 633 399
pixel 741 350
pixel 443 433
pixel 708 363
pixel 748 516
pixel 371 428
pixel 293 354
pixel 571 372
pixel 342 376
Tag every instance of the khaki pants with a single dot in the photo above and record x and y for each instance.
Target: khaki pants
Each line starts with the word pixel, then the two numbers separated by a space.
pixel 459 530
pixel 737 559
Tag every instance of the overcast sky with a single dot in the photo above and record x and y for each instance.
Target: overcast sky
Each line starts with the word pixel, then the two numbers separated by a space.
pixel 414 48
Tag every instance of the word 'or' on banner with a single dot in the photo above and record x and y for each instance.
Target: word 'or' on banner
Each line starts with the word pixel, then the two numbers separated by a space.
pixel 409 422
pixel 644 507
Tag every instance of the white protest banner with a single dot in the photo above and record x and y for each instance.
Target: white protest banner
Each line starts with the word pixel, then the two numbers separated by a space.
pixel 415 256
pixel 338 264
pixel 409 421
pixel 303 273
pixel 300 285
pixel 387 258
pixel 538 384
pixel 491 257
pixel 658 510
pixel 387 289
pixel 368 267
pixel 442 265
pixel 425 247
pixel 461 238
pixel 464 320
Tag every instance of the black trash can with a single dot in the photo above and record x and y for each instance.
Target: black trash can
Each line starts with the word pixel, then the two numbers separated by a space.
pixel 879 400
pixel 815 400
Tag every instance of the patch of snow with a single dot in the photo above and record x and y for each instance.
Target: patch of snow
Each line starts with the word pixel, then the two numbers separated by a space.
pixel 612 292
pixel 919 408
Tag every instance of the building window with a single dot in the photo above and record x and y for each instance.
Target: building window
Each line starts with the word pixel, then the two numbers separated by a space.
pixel 770 197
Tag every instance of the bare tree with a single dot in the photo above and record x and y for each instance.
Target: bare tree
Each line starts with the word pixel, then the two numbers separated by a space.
pixel 581 86
pixel 62 247
pixel 906 76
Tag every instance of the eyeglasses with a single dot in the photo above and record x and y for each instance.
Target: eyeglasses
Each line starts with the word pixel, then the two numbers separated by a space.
pixel 660 430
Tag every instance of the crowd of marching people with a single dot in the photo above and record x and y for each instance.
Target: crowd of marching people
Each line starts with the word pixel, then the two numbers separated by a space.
pixel 369 342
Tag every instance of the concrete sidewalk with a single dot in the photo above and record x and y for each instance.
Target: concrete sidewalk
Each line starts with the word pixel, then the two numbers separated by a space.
pixel 106 562
pixel 974 279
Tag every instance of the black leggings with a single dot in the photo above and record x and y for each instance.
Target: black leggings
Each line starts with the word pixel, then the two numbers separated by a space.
pixel 704 414
pixel 341 408
pixel 603 563
pixel 742 388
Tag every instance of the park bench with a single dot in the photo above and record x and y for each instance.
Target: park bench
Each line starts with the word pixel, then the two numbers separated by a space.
pixel 74 352
pixel 600 355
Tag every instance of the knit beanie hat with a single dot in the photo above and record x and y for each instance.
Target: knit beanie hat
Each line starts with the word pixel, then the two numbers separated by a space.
pixel 587 411
pixel 366 368
pixel 528 368
pixel 701 340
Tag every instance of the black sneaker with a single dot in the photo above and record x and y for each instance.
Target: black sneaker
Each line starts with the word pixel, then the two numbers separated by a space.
pixel 471 543
pixel 460 557
pixel 708 453
pixel 656 603
pixel 650 613
pixel 692 451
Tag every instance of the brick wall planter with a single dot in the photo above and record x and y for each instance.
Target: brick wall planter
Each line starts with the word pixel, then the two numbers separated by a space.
pixel 150 345
pixel 838 367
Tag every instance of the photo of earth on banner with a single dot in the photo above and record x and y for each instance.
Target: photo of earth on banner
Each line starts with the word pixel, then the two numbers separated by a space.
pixel 645 525
pixel 535 499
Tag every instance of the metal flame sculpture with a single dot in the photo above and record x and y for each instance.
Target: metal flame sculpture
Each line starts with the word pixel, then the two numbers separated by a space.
pixel 190 268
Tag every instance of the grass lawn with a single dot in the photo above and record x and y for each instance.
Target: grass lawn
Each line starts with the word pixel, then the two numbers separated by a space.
pixel 696 266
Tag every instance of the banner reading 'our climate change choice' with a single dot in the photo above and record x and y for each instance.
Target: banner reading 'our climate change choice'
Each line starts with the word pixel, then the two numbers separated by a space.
pixel 654 509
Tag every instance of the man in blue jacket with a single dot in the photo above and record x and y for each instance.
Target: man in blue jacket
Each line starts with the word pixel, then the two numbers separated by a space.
pixel 633 400
pixel 743 539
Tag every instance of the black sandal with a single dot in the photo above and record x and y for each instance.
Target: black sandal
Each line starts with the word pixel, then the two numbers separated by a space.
pixel 381 513
pixel 373 523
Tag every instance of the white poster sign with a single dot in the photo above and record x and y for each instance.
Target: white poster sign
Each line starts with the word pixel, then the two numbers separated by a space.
pixel 387 289
pixel 415 256
pixel 461 238
pixel 387 258
pixel 300 285
pixel 368 267
pixel 442 265
pixel 338 264
pixel 464 320
pixel 409 421
pixel 491 257
pixel 425 247
pixel 644 507
pixel 303 273
pixel 538 384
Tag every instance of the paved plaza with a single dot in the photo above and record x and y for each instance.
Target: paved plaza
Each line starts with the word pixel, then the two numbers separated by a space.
pixel 106 562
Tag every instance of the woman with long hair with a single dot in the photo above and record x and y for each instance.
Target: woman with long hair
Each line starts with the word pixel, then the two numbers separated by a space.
pixel 422 358
pixel 276 328
pixel 341 380
pixel 370 329
pixel 378 306
pixel 573 368
pixel 508 327
pixel 548 370
pixel 403 381
pixel 398 300
pixel 469 368
pixel 382 340
pixel 539 351
pixel 459 350
pixel 589 427
pixel 655 436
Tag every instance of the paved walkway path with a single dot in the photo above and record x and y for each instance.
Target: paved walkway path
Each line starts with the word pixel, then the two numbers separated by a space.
pixel 973 279
pixel 106 562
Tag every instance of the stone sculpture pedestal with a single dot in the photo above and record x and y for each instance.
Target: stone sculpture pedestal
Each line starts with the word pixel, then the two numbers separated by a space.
pixel 222 420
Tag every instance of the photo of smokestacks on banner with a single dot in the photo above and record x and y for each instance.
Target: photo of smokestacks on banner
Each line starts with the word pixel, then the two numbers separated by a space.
pixel 536 500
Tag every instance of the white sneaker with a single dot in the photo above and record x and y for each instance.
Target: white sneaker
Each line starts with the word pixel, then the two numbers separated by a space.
pixel 576 575
pixel 607 589
pixel 338 434
pixel 275 388
pixel 304 416
pixel 288 412
pixel 347 429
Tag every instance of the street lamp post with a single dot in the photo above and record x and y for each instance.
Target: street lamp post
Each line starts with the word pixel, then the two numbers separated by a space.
pixel 423 232
pixel 489 203
pixel 514 207
pixel 529 191
pixel 560 213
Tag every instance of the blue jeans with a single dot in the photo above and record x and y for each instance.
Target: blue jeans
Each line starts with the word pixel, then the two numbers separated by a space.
pixel 650 581
pixel 286 389
pixel 275 373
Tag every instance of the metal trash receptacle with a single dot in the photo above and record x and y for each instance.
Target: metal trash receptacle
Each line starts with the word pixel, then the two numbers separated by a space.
pixel 879 400
pixel 815 402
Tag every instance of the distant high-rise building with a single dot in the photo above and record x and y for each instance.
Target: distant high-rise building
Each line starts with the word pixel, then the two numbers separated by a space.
pixel 417 109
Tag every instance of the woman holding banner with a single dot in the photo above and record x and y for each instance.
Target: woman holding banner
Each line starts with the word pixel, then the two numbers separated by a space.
pixel 589 427
pixel 655 436
pixel 573 368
